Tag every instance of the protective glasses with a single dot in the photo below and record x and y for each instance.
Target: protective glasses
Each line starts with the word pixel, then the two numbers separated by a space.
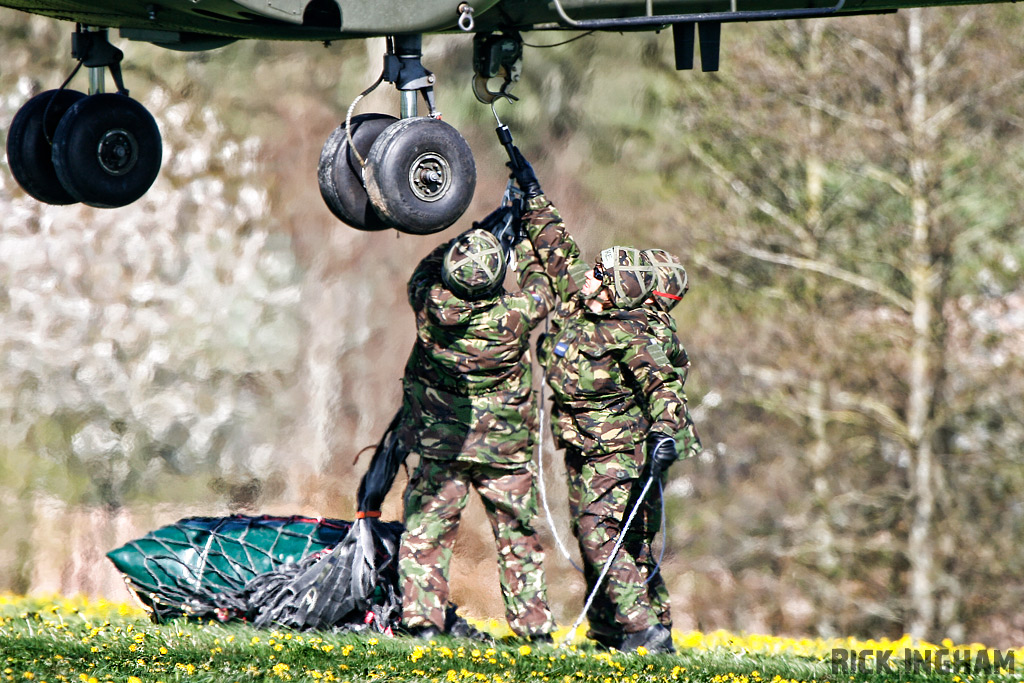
pixel 599 272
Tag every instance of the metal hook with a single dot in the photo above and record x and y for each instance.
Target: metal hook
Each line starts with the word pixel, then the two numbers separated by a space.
pixel 466 17
pixel 488 96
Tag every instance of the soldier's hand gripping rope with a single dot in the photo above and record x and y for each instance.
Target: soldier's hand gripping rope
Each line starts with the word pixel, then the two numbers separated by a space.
pixel 661 453
pixel 522 171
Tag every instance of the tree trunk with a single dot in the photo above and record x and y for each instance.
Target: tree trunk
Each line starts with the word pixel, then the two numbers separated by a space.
pixel 924 277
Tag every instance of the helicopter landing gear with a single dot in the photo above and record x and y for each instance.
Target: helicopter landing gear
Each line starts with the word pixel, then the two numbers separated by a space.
pixel 107 150
pixel 103 150
pixel 341 174
pixel 29 144
pixel 420 175
pixel 415 174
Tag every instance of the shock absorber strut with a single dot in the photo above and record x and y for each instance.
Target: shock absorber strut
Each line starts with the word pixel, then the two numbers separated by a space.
pixel 404 68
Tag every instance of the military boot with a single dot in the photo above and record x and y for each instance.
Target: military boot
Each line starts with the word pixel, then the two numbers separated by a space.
pixel 656 639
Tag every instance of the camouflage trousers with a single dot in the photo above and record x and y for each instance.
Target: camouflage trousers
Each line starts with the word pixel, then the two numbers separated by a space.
pixel 434 499
pixel 602 493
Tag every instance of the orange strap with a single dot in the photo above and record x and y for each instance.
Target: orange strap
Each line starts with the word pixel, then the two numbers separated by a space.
pixel 363 514
pixel 667 295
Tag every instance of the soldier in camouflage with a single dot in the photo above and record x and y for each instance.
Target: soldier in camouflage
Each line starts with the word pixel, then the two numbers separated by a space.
pixel 614 392
pixel 471 417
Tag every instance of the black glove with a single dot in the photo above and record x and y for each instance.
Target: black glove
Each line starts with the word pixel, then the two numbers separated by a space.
pixel 661 452
pixel 524 174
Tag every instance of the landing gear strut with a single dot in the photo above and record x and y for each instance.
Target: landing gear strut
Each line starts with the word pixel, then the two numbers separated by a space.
pixel 415 174
pixel 101 149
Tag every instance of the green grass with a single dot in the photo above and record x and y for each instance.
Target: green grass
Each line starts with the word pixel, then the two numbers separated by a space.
pixel 61 640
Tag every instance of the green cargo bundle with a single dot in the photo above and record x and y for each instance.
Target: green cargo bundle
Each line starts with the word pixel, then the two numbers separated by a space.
pixel 287 571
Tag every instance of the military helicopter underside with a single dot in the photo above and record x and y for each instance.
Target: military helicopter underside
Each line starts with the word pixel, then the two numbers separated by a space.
pixel 413 173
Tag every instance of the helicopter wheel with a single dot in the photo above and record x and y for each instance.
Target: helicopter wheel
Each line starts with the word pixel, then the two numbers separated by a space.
pixel 341 176
pixel 420 175
pixel 29 150
pixel 107 150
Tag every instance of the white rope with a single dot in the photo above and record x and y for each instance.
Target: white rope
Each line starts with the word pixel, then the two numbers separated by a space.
pixel 540 475
pixel 348 118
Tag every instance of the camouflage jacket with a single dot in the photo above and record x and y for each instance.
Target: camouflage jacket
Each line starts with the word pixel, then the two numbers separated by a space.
pixel 610 377
pixel 468 381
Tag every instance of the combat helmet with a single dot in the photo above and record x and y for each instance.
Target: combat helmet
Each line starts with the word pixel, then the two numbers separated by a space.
pixel 628 274
pixel 474 265
pixel 670 282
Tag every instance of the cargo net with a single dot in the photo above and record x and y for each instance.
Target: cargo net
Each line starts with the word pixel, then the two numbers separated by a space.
pixel 294 571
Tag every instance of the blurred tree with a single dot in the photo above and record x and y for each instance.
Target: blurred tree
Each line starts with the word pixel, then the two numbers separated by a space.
pixel 826 181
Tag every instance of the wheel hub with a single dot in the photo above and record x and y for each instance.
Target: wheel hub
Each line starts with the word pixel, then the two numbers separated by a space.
pixel 430 176
pixel 118 152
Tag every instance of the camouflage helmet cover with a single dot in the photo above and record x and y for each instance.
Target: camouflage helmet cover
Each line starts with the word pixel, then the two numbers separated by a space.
pixel 631 274
pixel 474 265
pixel 670 283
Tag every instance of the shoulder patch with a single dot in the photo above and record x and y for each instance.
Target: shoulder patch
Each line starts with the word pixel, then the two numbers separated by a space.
pixel 578 273
pixel 658 353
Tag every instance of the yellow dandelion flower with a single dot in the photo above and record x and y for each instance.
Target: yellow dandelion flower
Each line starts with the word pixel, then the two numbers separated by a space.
pixel 524 650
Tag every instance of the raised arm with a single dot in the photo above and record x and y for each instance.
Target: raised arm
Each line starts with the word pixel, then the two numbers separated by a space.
pixel 536 296
pixel 556 249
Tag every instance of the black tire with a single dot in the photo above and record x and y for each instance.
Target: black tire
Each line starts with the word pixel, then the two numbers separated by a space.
pixel 29 150
pixel 341 176
pixel 107 150
pixel 420 175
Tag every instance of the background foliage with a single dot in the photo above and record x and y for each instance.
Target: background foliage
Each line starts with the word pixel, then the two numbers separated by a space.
pixel 845 195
